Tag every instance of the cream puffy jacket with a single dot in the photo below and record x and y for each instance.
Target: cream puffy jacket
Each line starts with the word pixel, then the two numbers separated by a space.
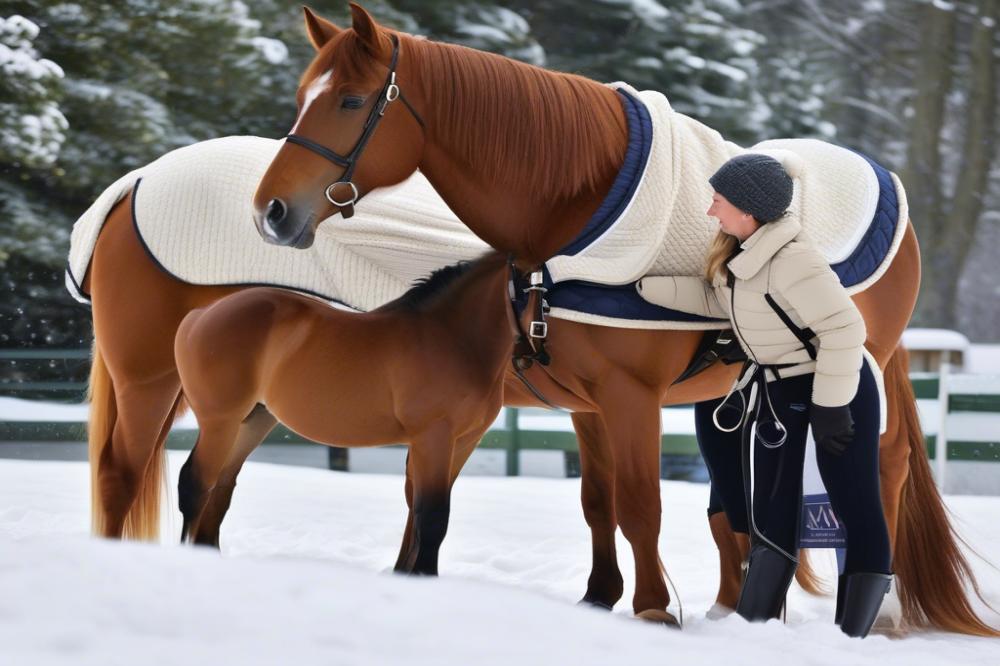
pixel 773 260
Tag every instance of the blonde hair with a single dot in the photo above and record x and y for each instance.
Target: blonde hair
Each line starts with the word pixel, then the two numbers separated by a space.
pixel 722 248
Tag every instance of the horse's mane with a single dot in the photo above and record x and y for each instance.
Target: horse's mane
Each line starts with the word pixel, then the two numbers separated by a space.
pixel 542 133
pixel 430 286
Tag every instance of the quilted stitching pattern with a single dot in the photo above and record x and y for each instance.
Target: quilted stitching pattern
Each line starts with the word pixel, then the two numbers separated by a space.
pixel 878 240
pixel 193 211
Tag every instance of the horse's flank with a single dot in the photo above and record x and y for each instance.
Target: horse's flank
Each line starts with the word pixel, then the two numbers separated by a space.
pixel 351 378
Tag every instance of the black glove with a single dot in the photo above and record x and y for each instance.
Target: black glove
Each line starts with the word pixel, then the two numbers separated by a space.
pixel 833 427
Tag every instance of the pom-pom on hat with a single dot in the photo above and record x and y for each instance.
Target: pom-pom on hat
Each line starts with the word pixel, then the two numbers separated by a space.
pixel 755 183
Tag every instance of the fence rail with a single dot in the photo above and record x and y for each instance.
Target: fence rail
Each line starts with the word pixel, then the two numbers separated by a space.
pixel 967 429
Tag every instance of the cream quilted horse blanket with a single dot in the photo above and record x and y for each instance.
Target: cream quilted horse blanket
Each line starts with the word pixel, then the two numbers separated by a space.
pixel 192 209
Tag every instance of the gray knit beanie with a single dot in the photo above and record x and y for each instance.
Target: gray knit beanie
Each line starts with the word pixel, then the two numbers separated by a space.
pixel 755 183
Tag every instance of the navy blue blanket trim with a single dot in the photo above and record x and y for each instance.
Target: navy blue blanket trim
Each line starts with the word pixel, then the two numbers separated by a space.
pixel 640 138
pixel 618 301
pixel 608 300
pixel 874 247
pixel 624 302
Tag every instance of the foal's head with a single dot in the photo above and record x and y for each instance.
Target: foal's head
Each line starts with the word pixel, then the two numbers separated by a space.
pixel 333 154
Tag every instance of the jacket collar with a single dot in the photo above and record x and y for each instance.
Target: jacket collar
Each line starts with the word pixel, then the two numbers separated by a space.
pixel 762 245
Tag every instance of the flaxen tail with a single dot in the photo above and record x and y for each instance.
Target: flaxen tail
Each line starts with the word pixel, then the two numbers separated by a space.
pixel 931 570
pixel 143 519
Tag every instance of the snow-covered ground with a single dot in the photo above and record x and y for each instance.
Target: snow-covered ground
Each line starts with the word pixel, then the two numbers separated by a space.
pixel 304 579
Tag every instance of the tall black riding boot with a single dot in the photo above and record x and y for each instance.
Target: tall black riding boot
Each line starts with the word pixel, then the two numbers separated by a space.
pixel 838 614
pixel 862 598
pixel 768 577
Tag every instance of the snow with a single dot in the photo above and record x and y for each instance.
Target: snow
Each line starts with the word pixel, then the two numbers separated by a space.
pixel 22 61
pixel 302 579
pixel 934 339
pixel 983 358
pixel 273 50
pixel 16 409
pixel 482 31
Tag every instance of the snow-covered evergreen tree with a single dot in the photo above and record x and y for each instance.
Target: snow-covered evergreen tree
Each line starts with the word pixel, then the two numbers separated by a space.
pixel 697 52
pixel 32 131
pixel 32 128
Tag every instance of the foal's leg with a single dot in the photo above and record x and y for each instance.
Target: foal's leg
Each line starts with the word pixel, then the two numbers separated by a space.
pixel 201 472
pixel 597 493
pixel 632 415
pixel 463 449
pixel 252 432
pixel 430 460
pixel 406 547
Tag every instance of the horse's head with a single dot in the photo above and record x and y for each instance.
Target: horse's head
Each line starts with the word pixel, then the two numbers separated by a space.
pixel 333 154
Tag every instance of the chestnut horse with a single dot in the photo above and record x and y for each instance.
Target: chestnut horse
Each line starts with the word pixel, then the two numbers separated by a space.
pixel 135 396
pixel 426 369
pixel 524 157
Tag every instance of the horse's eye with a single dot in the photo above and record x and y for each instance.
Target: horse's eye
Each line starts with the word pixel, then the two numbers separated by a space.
pixel 352 103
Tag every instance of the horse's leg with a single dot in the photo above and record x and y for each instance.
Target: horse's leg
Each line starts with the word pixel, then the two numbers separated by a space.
pixel 129 470
pixel 200 474
pixel 430 461
pixel 252 432
pixel 406 547
pixel 597 493
pixel 733 549
pixel 136 308
pixel 464 447
pixel 631 413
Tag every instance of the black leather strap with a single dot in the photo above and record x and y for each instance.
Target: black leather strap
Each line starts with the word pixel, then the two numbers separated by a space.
pixel 805 335
pixel 350 161
pixel 318 149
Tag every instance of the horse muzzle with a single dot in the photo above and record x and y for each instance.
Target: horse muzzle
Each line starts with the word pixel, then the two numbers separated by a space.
pixel 280 224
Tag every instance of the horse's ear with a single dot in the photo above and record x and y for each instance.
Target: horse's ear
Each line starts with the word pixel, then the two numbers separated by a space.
pixel 368 30
pixel 320 30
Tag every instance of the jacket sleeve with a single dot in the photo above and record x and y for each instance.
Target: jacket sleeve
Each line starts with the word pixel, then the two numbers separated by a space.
pixel 685 293
pixel 805 280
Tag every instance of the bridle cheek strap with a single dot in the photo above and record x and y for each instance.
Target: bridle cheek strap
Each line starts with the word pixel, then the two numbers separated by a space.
pixel 390 92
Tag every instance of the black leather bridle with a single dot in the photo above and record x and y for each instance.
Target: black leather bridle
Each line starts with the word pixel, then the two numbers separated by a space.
pixel 389 93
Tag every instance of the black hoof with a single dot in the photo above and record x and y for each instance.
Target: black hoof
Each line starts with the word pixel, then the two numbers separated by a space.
pixel 595 603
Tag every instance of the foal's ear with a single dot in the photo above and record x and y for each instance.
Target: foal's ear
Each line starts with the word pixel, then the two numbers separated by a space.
pixel 320 30
pixel 369 31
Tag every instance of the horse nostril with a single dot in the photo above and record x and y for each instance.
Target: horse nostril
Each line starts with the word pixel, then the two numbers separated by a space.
pixel 276 212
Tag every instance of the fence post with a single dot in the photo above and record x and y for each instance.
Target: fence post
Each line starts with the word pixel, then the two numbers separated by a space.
pixel 514 445
pixel 941 440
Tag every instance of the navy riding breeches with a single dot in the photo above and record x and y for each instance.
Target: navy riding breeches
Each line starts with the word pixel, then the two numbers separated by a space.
pixel 851 479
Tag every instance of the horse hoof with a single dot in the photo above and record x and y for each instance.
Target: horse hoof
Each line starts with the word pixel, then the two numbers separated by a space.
pixel 595 603
pixel 657 616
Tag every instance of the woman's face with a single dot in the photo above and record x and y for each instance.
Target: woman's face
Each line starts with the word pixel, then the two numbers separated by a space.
pixel 732 220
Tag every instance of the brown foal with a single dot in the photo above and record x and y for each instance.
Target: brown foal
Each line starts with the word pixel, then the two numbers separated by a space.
pixel 425 369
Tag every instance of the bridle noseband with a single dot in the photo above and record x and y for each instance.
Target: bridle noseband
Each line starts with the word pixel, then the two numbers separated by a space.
pixel 390 92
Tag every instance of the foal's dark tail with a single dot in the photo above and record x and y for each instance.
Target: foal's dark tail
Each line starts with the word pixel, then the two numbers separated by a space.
pixel 931 570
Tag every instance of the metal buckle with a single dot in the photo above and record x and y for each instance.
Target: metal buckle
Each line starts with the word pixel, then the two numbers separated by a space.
pixel 344 204
pixel 391 93
pixel 538 329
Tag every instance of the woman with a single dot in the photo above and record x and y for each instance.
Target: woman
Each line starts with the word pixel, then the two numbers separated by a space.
pixel 804 338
